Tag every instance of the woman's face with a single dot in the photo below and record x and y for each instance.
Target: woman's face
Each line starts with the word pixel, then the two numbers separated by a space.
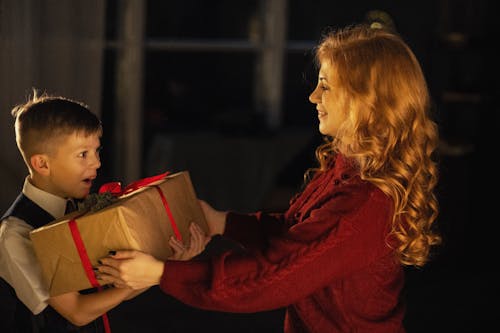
pixel 325 97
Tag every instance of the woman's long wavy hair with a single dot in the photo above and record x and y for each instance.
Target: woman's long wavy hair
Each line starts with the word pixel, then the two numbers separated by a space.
pixel 387 129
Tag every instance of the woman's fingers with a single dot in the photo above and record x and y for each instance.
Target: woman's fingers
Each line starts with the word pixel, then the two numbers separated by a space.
pixel 198 239
pixel 177 248
pixel 176 245
pixel 113 267
pixel 123 254
pixel 196 245
pixel 106 278
pixel 133 269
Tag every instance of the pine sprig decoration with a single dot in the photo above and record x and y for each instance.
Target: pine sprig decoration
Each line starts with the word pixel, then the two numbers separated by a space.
pixel 97 201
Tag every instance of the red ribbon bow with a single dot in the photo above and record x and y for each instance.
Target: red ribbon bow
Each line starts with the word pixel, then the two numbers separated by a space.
pixel 115 188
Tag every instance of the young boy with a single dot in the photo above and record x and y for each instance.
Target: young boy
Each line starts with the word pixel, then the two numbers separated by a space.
pixel 59 140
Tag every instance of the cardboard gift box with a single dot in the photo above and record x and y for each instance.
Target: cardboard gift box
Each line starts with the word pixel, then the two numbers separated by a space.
pixel 143 219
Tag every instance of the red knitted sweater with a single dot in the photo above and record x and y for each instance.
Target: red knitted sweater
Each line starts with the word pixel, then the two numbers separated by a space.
pixel 326 259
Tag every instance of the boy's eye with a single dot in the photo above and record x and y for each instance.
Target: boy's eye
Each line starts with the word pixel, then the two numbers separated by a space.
pixel 83 154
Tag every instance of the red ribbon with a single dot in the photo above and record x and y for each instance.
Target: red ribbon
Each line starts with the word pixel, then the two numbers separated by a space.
pixel 169 213
pixel 87 265
pixel 115 188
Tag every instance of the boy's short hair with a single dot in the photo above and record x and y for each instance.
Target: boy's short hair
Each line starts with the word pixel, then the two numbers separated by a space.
pixel 44 119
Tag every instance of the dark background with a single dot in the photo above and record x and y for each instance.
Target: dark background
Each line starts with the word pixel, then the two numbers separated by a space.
pixel 200 114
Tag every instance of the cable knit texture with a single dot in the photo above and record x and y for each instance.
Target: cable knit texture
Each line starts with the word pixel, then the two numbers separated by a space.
pixel 326 259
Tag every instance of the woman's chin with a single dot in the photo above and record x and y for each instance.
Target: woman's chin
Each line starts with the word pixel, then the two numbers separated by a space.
pixel 322 129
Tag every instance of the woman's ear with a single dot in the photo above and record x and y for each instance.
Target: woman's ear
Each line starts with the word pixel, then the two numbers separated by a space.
pixel 40 164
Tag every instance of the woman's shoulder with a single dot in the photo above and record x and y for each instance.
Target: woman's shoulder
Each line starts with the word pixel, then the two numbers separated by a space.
pixel 353 193
pixel 345 177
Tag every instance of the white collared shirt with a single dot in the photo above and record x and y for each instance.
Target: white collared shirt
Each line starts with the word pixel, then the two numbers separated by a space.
pixel 18 262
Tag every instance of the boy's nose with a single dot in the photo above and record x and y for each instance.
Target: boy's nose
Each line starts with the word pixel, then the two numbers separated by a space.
pixel 96 163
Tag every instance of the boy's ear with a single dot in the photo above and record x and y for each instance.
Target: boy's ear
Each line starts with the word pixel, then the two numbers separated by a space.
pixel 40 163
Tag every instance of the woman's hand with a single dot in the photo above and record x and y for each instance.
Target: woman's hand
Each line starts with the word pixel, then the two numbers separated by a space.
pixel 197 244
pixel 132 269
pixel 216 219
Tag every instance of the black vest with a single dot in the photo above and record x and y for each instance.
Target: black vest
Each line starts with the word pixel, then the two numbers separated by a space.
pixel 15 317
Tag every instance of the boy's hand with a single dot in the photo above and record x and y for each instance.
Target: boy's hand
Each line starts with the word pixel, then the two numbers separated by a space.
pixel 197 244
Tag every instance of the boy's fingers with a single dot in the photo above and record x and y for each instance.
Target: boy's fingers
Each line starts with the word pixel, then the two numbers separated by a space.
pixel 120 285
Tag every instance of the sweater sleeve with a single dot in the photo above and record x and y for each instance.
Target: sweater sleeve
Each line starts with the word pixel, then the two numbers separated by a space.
pixel 253 231
pixel 344 234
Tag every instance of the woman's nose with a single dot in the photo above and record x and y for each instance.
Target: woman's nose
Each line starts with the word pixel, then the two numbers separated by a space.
pixel 313 97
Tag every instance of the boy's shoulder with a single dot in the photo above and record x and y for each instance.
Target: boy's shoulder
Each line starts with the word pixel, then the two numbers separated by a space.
pixel 13 231
pixel 13 224
pixel 27 210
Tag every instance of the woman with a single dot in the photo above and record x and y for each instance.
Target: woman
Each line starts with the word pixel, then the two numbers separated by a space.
pixel 335 258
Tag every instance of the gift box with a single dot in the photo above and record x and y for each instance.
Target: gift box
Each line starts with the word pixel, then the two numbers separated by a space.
pixel 143 217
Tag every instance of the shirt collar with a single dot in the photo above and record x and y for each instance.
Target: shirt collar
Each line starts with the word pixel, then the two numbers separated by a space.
pixel 53 204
